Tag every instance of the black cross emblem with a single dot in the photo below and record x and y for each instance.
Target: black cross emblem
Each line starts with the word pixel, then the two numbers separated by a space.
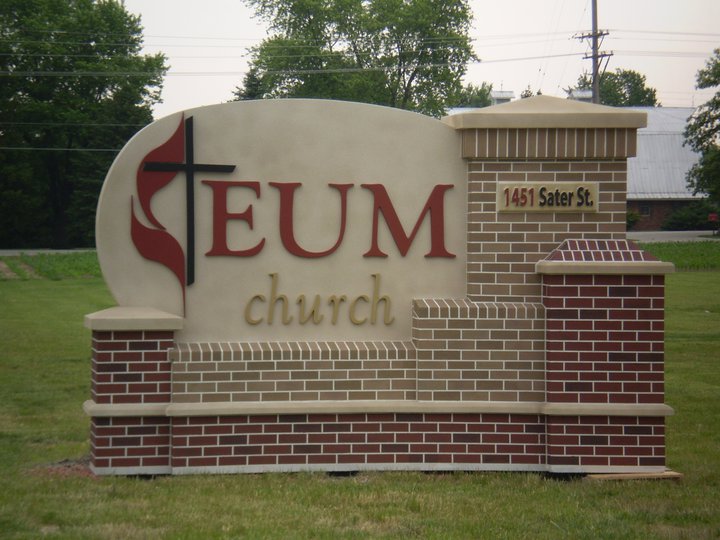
pixel 189 168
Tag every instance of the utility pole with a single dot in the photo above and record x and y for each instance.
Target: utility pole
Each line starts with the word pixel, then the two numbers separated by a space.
pixel 597 57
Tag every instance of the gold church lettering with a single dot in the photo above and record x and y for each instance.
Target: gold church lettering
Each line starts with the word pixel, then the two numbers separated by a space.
pixel 359 310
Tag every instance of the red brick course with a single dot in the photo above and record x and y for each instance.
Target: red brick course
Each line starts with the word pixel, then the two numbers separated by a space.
pixel 355 440
pixel 605 441
pixel 131 443
pixel 605 339
pixel 131 367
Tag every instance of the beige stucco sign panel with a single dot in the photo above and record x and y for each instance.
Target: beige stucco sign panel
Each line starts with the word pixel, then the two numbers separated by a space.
pixel 271 183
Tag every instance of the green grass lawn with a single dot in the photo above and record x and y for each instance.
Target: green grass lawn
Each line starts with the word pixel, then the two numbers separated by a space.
pixel 46 492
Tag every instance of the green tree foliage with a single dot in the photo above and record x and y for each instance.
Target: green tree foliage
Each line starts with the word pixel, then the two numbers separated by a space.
pixel 410 55
pixel 702 134
pixel 703 130
pixel 72 81
pixel 691 217
pixel 472 96
pixel 704 176
pixel 621 88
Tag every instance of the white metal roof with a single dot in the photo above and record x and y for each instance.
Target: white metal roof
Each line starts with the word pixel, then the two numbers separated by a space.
pixel 662 162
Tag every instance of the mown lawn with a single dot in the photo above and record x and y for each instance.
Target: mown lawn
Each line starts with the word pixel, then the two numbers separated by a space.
pixel 47 492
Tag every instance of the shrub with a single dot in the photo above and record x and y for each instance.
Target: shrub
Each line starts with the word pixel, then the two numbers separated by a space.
pixel 631 219
pixel 693 217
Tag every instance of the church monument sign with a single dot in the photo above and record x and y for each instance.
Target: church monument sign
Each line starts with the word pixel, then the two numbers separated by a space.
pixel 319 285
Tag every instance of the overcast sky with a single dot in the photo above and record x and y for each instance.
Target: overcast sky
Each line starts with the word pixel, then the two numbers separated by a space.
pixel 520 43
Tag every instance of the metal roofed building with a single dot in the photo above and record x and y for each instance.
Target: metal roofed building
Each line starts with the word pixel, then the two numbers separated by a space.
pixel 656 177
pixel 499 97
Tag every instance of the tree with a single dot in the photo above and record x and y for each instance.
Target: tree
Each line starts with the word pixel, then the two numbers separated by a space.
pixel 702 134
pixel 73 88
pixel 529 93
pixel 410 55
pixel 623 88
pixel 472 96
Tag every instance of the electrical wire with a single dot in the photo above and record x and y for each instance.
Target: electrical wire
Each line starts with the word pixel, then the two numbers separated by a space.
pixel 50 149
pixel 73 124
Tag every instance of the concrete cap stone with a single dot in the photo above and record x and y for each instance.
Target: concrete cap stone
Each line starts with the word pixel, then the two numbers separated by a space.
pixel 547 112
pixel 123 318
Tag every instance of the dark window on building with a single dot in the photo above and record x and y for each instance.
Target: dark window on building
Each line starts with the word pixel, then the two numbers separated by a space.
pixel 645 210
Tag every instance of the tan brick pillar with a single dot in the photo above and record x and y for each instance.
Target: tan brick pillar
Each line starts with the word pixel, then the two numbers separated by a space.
pixel 595 419
pixel 547 140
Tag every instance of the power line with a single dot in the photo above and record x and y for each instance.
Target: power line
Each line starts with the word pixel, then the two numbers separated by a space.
pixel 689 54
pixel 232 38
pixel 524 58
pixel 171 73
pixel 303 43
pixel 236 73
pixel 664 39
pixel 78 73
pixel 74 124
pixel 50 149
pixel 665 54
pixel 669 32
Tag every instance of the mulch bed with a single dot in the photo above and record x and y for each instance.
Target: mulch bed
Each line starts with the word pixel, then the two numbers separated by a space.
pixel 67 468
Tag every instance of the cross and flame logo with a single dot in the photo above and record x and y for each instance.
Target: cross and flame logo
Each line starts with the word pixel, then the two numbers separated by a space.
pixel 160 167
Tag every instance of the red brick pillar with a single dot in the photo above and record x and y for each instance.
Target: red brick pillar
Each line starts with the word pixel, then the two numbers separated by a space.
pixel 130 432
pixel 604 305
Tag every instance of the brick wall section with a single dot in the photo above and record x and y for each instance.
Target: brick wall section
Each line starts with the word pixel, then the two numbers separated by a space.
pixel 136 443
pixel 605 343
pixel 352 441
pixel 504 247
pixel 479 351
pixel 131 366
pixel 293 371
pixel 604 339
pixel 549 143
pixel 605 441
pixel 605 333
pixel 659 211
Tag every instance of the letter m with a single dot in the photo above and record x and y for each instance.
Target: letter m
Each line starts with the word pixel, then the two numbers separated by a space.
pixel 435 206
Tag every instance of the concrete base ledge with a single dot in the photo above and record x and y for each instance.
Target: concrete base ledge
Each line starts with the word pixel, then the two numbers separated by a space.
pixel 132 471
pixel 355 467
pixel 359 467
pixel 120 410
pixel 348 407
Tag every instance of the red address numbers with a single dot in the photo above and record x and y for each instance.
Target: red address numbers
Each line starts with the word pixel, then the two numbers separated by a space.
pixel 519 196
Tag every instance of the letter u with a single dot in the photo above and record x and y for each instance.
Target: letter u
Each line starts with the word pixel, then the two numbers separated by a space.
pixel 287 233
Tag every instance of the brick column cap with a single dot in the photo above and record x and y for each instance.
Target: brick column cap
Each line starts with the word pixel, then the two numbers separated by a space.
pixel 121 410
pixel 646 268
pixel 547 112
pixel 122 318
pixel 601 257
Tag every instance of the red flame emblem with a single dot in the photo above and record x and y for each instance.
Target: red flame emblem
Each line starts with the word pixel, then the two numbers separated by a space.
pixel 155 243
